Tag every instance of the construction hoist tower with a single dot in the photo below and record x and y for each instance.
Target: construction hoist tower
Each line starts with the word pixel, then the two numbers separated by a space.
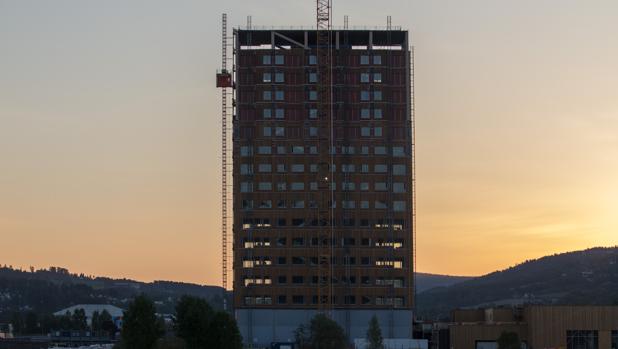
pixel 325 150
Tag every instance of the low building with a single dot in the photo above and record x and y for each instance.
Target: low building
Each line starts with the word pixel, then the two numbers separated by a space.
pixel 538 327
pixel 90 309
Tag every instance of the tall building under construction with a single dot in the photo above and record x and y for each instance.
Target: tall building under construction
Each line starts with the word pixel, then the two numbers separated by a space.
pixel 323 180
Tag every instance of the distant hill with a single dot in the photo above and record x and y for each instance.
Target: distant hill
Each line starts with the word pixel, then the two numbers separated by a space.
pixel 426 281
pixel 49 290
pixel 582 277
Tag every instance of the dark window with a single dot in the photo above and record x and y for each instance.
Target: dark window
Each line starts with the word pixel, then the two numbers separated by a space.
pixel 314 279
pixel 297 280
pixel 281 222
pixel 364 222
pixel 282 279
pixel 365 300
pixel 282 299
pixel 582 339
pixel 365 280
pixel 298 300
pixel 365 261
pixel 281 242
pixel 281 260
pixel 365 242
pixel 298 260
pixel 349 300
pixel 298 242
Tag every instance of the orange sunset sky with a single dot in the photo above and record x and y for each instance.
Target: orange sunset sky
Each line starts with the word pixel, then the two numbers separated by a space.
pixel 109 130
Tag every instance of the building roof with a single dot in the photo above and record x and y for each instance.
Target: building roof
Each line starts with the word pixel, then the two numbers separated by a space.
pixel 89 309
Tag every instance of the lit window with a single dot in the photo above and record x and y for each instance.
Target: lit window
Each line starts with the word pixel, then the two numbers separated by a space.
pixel 279 77
pixel 377 113
pixel 266 60
pixel 279 113
pixel 267 95
pixel 279 95
pixel 377 59
pixel 313 77
pixel 364 59
pixel 313 95
pixel 377 77
pixel 364 95
pixel 399 170
pixel 313 60
pixel 266 113
pixel 377 95
pixel 399 206
pixel 267 131
pixel 377 132
pixel 398 188
pixel 364 77
pixel 279 60
pixel 266 77
pixel 364 114
pixel 264 149
pixel 279 131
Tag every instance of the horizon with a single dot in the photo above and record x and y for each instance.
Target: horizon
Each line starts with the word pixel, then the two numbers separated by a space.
pixel 109 122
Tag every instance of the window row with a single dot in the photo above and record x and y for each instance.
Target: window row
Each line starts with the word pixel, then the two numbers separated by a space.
pixel 398 206
pixel 249 223
pixel 248 169
pixel 279 95
pixel 351 300
pixel 247 150
pixel 279 113
pixel 312 59
pixel 298 280
pixel 312 77
pixel 395 263
pixel 301 241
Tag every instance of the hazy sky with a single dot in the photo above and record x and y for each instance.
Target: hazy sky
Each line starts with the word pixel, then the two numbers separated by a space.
pixel 109 130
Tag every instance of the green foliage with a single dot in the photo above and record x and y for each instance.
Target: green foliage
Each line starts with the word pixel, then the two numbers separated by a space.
pixel 78 320
pixel 374 334
pixel 509 340
pixel 324 333
pixel 141 329
pixel 202 328
pixel 193 317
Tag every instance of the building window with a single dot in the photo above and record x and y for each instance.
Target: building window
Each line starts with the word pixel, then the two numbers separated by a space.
pixel 365 168
pixel 266 60
pixel 298 204
pixel 246 187
pixel 365 131
pixel 246 150
pixel 313 149
pixel 379 150
pixel 279 95
pixel 398 188
pixel 364 113
pixel 364 186
pixel 267 95
pixel 381 186
pixel 246 169
pixel 377 60
pixel 266 77
pixel 313 95
pixel 380 168
pixel 615 339
pixel 398 151
pixel 377 77
pixel 279 60
pixel 266 204
pixel 313 113
pixel 265 186
pixel 364 77
pixel 364 95
pixel 265 168
pixel 364 60
pixel 279 113
pixel 313 60
pixel 399 170
pixel 298 168
pixel 583 339
pixel 377 95
pixel 266 113
pixel 377 113
pixel 313 131
pixel 298 149
pixel 281 168
pixel 377 131
pixel 297 186
pixel 380 204
pixel 399 206
pixel 264 150
pixel 281 299
pixel 280 149
pixel 279 131
pixel 279 77
pixel 313 77
pixel 298 299
pixel 267 131
pixel 281 186
pixel 364 150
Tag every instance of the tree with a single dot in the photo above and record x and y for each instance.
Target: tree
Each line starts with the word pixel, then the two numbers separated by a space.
pixel 107 323
pixel 140 329
pixel 301 337
pixel 95 323
pixel 193 317
pixel 223 332
pixel 31 323
pixel 374 334
pixel 18 323
pixel 509 340
pixel 325 333
pixel 78 320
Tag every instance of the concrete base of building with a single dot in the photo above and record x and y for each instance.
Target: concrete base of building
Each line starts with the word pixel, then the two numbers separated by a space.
pixel 261 327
